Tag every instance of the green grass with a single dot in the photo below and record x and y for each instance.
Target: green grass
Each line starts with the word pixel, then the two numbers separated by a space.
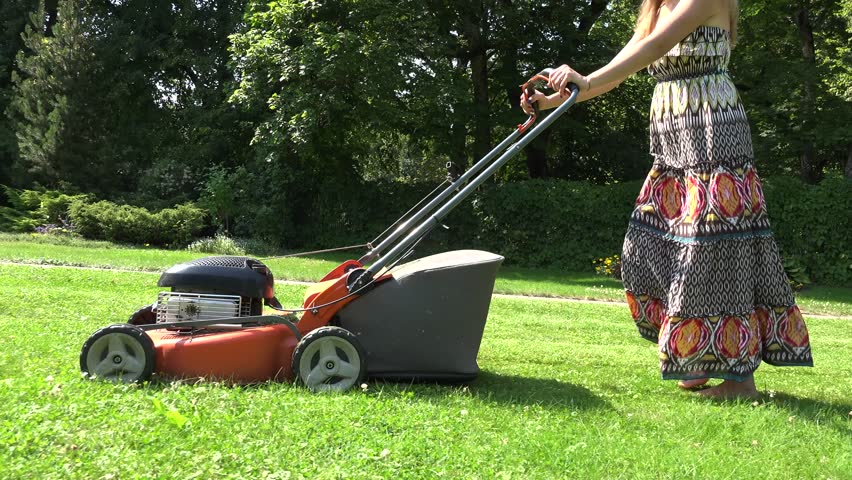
pixel 567 391
pixel 816 299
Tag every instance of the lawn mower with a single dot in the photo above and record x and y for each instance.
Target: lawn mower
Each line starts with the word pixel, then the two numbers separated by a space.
pixel 420 320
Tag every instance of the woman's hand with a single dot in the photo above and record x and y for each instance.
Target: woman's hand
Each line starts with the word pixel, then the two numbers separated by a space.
pixel 527 106
pixel 545 102
pixel 562 76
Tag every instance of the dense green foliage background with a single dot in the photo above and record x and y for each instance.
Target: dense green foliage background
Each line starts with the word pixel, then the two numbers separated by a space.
pixel 556 224
pixel 308 123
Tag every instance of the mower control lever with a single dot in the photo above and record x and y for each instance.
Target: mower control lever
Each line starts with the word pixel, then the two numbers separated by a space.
pixel 528 90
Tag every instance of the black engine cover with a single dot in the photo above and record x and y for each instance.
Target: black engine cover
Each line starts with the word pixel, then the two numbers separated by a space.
pixel 241 276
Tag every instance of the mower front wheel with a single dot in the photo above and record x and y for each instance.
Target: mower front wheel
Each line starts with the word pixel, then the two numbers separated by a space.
pixel 118 353
pixel 329 359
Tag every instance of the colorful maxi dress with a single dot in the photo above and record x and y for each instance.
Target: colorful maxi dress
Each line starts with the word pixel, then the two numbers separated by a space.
pixel 703 275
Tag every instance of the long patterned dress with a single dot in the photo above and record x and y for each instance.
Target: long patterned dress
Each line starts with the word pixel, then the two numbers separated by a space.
pixel 703 275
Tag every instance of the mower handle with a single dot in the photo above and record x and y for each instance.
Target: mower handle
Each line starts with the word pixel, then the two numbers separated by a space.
pixel 528 90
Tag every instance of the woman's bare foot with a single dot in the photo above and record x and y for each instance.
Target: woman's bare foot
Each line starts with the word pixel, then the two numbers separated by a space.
pixel 692 383
pixel 730 389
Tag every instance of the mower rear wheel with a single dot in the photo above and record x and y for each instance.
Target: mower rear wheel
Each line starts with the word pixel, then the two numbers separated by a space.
pixel 329 359
pixel 144 316
pixel 118 353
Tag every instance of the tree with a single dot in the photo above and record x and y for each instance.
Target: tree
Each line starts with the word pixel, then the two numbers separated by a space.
pixel 80 117
pixel 13 19
pixel 792 67
pixel 329 79
pixel 452 76
pixel 129 99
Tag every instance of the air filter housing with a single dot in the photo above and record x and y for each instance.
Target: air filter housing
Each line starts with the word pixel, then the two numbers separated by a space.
pixel 224 275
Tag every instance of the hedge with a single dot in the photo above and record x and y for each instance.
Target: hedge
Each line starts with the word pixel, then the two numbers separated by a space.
pixel 127 224
pixel 29 209
pixel 813 225
pixel 567 225
pixel 538 223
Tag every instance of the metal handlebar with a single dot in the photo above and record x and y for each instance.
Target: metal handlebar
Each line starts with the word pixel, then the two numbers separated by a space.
pixel 419 224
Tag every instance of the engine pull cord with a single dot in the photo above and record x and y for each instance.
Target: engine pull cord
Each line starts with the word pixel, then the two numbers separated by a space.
pixel 327 250
pixel 369 245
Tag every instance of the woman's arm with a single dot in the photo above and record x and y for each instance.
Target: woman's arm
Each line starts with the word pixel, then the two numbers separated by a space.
pixel 546 102
pixel 672 28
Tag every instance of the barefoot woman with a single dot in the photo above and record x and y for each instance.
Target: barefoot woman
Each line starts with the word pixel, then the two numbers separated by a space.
pixel 700 265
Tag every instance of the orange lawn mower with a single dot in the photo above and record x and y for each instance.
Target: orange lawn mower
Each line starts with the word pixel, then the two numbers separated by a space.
pixel 421 320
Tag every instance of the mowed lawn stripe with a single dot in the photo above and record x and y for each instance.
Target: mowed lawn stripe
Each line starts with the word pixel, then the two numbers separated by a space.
pixel 817 299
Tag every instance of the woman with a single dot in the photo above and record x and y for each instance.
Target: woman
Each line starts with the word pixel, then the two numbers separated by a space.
pixel 702 272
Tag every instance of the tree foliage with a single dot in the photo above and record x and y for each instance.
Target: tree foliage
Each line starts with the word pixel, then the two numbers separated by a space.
pixel 341 78
pixel 269 111
pixel 13 18
pixel 798 95
pixel 129 99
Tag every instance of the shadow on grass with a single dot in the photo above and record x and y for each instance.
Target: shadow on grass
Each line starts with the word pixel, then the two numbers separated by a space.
pixel 487 387
pixel 836 415
pixel 514 389
pixel 502 389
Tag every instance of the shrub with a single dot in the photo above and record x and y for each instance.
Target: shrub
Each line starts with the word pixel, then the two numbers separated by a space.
pixel 220 245
pixel 551 223
pixel 813 225
pixel 609 266
pixel 258 247
pixel 178 225
pixel 127 224
pixel 30 209
pixel 569 225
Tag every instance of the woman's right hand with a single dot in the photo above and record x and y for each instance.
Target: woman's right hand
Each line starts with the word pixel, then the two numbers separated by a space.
pixel 545 102
pixel 527 103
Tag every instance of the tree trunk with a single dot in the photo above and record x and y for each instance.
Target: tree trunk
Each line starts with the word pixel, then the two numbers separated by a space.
pixel 588 19
pixel 537 155
pixel 848 171
pixel 472 23
pixel 810 171
pixel 51 12
pixel 458 129
pixel 536 151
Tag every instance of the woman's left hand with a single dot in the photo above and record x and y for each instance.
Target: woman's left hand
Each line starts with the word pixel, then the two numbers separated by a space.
pixel 563 75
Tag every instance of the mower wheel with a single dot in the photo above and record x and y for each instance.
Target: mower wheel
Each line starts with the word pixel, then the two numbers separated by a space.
pixel 329 359
pixel 144 316
pixel 118 353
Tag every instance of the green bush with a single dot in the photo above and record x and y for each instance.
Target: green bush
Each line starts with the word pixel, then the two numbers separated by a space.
pixel 219 245
pixel 553 223
pixel 29 209
pixel 568 225
pixel 813 225
pixel 127 224
pixel 178 225
pixel 538 223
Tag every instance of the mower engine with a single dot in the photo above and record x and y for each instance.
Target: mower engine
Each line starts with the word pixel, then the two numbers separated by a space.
pixel 210 288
